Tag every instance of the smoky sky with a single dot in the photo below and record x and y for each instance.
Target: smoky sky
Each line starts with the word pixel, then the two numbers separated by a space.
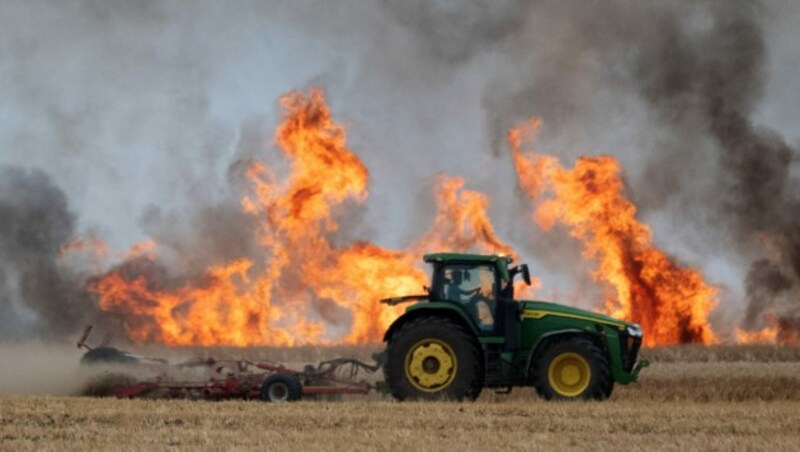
pixel 453 32
pixel 132 119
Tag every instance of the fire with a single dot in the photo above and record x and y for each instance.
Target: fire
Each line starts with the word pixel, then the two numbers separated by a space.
pixel 213 311
pixel 643 284
pixel 779 330
pixel 305 289
pixel 767 335
pixel 462 221
pixel 90 248
pixel 91 245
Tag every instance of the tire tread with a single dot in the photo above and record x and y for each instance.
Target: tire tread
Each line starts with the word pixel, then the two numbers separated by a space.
pixel 603 382
pixel 472 385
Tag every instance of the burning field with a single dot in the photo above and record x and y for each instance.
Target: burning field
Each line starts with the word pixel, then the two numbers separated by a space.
pixel 694 237
pixel 304 295
pixel 304 283
pixel 301 288
pixel 251 193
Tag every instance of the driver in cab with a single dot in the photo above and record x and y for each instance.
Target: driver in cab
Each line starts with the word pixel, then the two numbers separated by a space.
pixel 477 298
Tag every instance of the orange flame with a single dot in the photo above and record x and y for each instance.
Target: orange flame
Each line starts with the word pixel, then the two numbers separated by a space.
pixel 767 335
pixel 90 244
pixel 643 284
pixel 462 221
pixel 780 330
pixel 306 290
pixel 90 248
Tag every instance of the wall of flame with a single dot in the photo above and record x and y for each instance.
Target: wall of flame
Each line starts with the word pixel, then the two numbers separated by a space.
pixel 306 289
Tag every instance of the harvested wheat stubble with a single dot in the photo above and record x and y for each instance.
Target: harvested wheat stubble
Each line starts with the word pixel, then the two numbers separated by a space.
pixel 695 399
pixel 703 382
pixel 723 353
pixel 83 423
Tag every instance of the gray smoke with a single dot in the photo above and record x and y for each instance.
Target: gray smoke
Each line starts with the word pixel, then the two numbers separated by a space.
pixel 205 236
pixel 701 70
pixel 455 31
pixel 39 296
pixel 716 78
pixel 155 108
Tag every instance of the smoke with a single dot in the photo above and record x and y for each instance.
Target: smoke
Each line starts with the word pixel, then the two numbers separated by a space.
pixel 700 71
pixel 40 297
pixel 765 282
pixel 716 77
pixel 38 368
pixel 145 115
pixel 453 32
pixel 209 234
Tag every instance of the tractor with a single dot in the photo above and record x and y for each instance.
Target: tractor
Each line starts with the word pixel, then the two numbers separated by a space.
pixel 467 333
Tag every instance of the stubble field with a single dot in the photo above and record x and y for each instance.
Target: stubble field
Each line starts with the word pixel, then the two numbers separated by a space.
pixel 691 398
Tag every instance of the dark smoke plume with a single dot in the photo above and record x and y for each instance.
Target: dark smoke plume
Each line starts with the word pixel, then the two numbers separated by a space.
pixel 44 294
pixel 38 296
pixel 717 77
pixel 765 283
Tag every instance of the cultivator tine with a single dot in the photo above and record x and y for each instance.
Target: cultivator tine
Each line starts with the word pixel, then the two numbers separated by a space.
pixel 84 336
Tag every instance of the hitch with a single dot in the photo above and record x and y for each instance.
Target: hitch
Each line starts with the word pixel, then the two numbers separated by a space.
pixel 639 366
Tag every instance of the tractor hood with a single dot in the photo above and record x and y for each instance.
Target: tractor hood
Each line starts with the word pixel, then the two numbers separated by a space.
pixel 542 308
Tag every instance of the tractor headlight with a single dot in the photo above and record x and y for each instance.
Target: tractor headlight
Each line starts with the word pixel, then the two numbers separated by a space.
pixel 634 330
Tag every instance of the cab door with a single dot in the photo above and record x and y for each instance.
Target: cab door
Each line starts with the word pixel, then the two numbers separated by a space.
pixel 474 287
pixel 509 322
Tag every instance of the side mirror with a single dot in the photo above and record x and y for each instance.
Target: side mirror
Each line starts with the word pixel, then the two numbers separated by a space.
pixel 522 268
pixel 526 274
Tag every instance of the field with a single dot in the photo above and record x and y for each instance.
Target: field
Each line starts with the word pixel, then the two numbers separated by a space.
pixel 691 398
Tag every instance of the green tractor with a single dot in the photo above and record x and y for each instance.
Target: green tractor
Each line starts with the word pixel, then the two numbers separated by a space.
pixel 468 333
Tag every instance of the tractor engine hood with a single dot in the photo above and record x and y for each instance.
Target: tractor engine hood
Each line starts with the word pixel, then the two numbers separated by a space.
pixel 543 308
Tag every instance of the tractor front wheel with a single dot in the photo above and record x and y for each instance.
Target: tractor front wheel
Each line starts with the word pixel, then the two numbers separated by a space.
pixel 433 358
pixel 572 369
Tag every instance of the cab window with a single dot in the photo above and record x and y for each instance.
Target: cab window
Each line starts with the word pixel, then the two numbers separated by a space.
pixel 474 287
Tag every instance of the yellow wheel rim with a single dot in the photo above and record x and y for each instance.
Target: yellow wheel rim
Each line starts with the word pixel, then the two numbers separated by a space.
pixel 430 365
pixel 569 374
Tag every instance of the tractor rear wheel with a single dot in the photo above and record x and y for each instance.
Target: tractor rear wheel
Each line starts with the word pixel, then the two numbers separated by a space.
pixel 281 388
pixel 572 369
pixel 433 358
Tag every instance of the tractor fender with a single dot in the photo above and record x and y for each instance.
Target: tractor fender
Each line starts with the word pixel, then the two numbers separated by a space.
pixel 431 309
pixel 544 338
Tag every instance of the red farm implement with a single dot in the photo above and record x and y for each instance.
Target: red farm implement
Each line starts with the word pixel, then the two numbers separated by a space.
pixel 218 379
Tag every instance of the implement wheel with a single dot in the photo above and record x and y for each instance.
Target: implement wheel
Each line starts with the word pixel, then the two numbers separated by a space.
pixel 433 358
pixel 281 388
pixel 573 369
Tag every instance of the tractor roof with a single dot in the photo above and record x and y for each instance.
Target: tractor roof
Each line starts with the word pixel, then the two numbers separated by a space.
pixel 457 257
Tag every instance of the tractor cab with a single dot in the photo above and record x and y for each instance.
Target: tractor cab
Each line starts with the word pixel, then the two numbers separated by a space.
pixel 482 285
